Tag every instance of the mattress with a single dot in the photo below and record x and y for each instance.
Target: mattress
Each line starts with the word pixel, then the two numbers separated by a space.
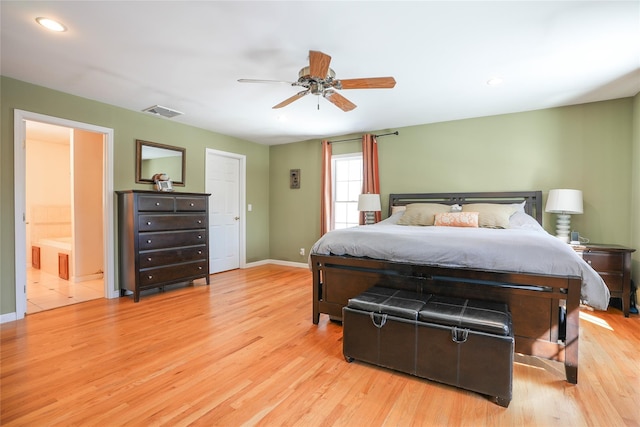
pixel 524 247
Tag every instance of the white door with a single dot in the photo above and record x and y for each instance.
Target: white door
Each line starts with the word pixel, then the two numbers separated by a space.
pixel 225 184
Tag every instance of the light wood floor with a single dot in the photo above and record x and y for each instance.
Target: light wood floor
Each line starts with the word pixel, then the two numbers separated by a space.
pixel 243 351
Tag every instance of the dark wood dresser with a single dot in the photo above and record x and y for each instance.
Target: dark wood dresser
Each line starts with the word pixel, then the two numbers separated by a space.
pixel 613 264
pixel 163 239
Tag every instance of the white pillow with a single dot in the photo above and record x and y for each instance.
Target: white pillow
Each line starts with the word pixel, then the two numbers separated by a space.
pixel 524 221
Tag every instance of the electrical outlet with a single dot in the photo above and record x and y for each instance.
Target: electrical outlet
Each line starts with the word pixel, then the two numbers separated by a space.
pixel 302 251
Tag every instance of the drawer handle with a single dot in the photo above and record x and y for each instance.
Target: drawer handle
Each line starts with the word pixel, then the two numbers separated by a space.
pixel 191 204
pixel 589 261
pixel 199 221
pixel 199 237
pixel 459 335
pixel 148 222
pixel 199 268
pixel 199 252
pixel 157 203
pixel 149 259
pixel 150 277
pixel 149 241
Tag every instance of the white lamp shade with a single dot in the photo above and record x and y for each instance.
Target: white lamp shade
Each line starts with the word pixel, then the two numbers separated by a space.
pixel 369 202
pixel 564 201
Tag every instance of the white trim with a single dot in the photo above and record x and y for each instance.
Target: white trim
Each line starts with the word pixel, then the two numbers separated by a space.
pixel 277 262
pixel 242 200
pixel 19 164
pixel 8 317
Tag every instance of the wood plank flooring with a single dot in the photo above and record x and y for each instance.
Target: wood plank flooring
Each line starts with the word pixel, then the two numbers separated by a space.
pixel 243 351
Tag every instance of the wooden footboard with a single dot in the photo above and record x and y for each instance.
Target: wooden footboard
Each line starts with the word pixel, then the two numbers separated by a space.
pixel 545 309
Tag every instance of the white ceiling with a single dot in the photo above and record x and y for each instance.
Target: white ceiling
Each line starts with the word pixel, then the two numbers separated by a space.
pixel 188 55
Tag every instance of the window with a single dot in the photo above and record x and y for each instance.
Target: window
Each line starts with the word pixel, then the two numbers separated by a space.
pixel 347 186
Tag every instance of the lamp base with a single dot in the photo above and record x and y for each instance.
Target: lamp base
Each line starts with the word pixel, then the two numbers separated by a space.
pixel 370 218
pixel 563 225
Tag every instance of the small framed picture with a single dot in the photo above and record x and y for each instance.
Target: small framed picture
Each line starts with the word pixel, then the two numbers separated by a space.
pixel 294 178
pixel 164 186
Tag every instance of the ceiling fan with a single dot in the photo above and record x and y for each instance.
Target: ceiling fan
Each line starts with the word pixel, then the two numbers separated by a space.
pixel 319 79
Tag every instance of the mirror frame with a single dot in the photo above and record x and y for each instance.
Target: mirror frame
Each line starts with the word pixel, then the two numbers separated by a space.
pixel 140 144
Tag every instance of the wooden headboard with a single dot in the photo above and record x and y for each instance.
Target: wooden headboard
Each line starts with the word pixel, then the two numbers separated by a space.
pixel 533 199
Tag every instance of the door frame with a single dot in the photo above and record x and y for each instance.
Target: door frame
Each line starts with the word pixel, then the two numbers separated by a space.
pixel 242 197
pixel 19 186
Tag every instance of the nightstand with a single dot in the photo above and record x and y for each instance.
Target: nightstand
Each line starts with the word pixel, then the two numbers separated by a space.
pixel 613 264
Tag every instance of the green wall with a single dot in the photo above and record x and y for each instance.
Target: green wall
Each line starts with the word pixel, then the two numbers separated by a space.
pixel 587 147
pixel 593 147
pixel 128 126
pixel 635 197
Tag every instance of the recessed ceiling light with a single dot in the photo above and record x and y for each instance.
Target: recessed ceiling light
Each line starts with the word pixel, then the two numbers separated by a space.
pixel 494 81
pixel 51 24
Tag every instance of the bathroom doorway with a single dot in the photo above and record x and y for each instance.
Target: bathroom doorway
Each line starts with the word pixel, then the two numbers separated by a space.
pixel 64 212
pixel 63 203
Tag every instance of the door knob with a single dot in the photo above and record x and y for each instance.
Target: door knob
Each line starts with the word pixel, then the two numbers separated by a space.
pixel 237 218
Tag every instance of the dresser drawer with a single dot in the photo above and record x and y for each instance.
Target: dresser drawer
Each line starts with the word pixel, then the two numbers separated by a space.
pixel 172 273
pixel 156 203
pixel 169 239
pixel 171 222
pixel 171 256
pixel 191 204
pixel 604 261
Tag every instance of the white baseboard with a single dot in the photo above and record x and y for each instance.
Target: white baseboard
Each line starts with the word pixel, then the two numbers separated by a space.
pixel 277 262
pixel 8 317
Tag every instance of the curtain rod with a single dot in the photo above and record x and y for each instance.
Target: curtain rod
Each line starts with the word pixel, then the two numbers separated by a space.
pixel 358 139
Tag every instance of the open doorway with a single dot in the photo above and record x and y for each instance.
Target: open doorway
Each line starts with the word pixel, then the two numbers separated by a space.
pixel 72 212
pixel 64 181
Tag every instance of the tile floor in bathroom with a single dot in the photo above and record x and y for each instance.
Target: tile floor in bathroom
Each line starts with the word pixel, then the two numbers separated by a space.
pixel 46 291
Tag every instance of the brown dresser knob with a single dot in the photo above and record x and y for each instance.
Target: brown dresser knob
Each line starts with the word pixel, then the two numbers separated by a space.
pixel 190 204
pixel 149 259
pixel 157 203
pixel 199 252
pixel 199 221
pixel 199 268
pixel 199 237
pixel 150 277
pixel 149 241
pixel 148 222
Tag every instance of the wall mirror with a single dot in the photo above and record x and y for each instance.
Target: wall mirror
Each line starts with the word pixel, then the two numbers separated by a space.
pixel 153 158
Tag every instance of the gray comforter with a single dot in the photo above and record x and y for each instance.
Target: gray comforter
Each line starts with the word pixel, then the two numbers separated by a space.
pixel 524 248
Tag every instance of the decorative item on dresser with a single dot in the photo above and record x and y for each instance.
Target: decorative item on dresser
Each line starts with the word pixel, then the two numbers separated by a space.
pixel 613 264
pixel 163 239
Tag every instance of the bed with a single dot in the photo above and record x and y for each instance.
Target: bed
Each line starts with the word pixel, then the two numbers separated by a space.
pixel 541 279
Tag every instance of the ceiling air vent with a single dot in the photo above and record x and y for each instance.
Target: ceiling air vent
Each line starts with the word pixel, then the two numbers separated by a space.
pixel 159 110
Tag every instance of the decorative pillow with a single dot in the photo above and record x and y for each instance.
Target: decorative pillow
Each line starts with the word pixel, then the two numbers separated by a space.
pixel 457 219
pixel 422 213
pixel 492 215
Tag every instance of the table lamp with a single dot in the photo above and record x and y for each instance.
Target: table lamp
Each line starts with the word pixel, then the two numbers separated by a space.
pixel 564 202
pixel 369 203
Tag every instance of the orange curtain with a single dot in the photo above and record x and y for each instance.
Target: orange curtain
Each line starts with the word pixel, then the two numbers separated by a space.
pixel 370 172
pixel 326 203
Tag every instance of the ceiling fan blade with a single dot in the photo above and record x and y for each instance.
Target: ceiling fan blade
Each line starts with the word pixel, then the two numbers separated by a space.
pixel 291 99
pixel 366 83
pixel 318 64
pixel 263 81
pixel 339 101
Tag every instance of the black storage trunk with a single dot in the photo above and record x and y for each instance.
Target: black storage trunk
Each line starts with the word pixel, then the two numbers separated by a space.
pixel 464 343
